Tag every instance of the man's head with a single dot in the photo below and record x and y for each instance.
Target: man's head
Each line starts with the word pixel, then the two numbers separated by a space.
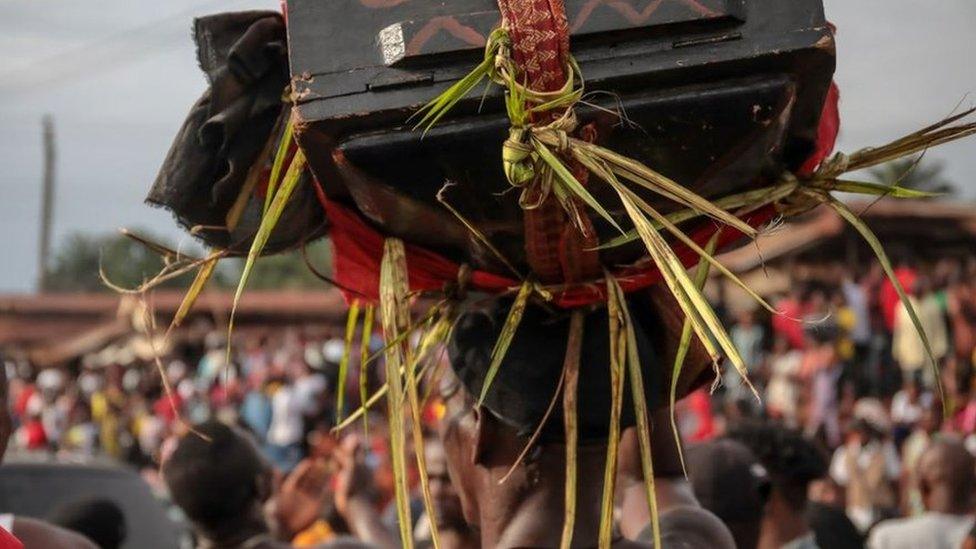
pixel 217 477
pixel 482 442
pixel 791 461
pixel 729 481
pixel 690 527
pixel 447 504
pixel 99 520
pixel 947 477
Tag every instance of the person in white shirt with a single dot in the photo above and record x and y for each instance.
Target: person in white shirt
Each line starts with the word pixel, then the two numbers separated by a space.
pixel 947 481
pixel 287 428
pixel 867 466
pixel 783 390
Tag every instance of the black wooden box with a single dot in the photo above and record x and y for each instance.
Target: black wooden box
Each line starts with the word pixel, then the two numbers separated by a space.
pixel 720 95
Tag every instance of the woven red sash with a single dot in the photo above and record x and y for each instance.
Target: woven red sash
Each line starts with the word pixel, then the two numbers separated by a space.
pixel 555 249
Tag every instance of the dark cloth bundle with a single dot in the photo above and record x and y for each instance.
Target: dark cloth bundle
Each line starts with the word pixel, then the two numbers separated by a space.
pixel 529 375
pixel 244 57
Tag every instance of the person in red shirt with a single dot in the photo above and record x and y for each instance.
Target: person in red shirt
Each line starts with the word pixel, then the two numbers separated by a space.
pixel 888 297
pixel 788 323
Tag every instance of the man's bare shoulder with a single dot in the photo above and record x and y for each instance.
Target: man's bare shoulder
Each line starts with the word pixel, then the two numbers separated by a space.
pixel 35 533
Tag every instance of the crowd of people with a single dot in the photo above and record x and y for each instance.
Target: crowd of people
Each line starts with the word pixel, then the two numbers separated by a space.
pixel 856 439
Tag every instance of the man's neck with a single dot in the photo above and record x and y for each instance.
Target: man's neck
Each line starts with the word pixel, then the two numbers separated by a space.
pixel 780 528
pixel 531 513
pixel 941 501
pixel 458 537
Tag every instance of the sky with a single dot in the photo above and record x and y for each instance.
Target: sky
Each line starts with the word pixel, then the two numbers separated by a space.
pixel 119 80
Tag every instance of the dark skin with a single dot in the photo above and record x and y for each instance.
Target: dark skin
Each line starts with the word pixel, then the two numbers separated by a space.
pixel 527 510
pixel 354 498
pixel 301 497
pixel 947 482
pixel 671 488
pixel 947 478
pixel 781 523
pixel 36 534
pixel 453 532
pixel 249 525
pixel 298 502
pixel 672 491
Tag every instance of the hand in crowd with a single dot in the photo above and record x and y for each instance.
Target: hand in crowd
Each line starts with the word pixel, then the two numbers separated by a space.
pixel 355 494
pixel 301 497
pixel 354 480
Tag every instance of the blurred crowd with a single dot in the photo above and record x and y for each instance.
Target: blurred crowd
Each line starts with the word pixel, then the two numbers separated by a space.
pixel 844 350
pixel 855 431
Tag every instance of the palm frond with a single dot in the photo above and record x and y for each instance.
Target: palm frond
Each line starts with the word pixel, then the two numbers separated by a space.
pixel 636 378
pixel 618 361
pixel 753 199
pixel 571 423
pixel 367 335
pixel 410 370
pixel 190 298
pixel 352 319
pixel 268 222
pixel 395 313
pixel 684 345
pixel 284 145
pixel 505 337
pixel 432 112
pixel 571 184
pixel 879 252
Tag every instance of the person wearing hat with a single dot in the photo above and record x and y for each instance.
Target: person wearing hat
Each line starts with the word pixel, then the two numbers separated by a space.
pixel 791 462
pixel 729 481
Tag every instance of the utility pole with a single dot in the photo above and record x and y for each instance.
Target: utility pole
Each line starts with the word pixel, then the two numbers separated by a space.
pixel 47 204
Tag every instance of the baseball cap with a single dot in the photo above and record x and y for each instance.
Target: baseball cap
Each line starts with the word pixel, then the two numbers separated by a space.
pixel 728 480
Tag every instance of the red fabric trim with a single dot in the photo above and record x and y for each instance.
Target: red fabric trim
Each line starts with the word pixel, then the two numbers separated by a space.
pixel 8 541
pixel 826 132
pixel 358 251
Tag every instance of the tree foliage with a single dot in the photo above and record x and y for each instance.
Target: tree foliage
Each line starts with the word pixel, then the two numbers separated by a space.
pixel 922 176
pixel 127 263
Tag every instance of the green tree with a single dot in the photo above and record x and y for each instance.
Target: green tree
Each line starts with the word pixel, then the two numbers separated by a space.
pixel 128 264
pixel 923 176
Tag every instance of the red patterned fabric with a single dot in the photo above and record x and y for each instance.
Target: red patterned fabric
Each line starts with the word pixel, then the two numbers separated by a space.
pixel 555 250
